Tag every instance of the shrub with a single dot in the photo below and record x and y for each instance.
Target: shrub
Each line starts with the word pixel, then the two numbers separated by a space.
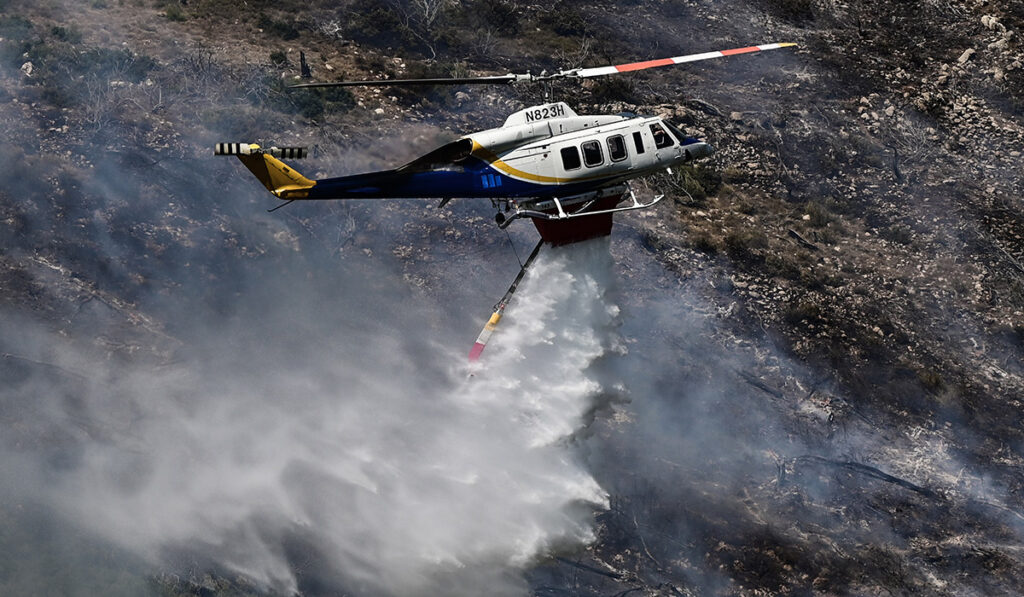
pixel 502 17
pixel 311 103
pixel 783 265
pixel 64 75
pixel 802 312
pixel 897 233
pixel 606 90
pixel 66 34
pixel 702 241
pixel 821 216
pixel 743 245
pixel 374 22
pixel 175 13
pixel 931 380
pixel 123 63
pixel 565 20
pixel 15 28
pixel 15 32
pixel 279 59
pixel 433 95
pixel 282 29
pixel 797 11
pixel 375 63
pixel 695 180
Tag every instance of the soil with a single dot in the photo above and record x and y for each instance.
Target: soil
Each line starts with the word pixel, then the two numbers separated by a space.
pixel 849 265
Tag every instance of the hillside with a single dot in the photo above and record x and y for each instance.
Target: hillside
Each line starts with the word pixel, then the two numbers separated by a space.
pixel 812 385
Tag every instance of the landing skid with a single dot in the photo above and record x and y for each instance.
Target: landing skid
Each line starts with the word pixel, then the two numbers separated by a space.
pixel 574 206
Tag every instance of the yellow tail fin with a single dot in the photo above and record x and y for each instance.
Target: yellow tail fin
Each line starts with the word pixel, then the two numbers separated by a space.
pixel 282 181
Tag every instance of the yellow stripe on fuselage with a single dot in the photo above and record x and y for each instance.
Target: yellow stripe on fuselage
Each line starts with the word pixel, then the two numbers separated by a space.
pixel 481 152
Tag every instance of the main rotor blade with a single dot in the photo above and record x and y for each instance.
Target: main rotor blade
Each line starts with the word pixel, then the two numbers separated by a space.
pixel 633 66
pixel 576 73
pixel 491 80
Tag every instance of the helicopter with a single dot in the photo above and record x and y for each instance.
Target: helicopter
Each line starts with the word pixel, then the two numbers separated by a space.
pixel 567 173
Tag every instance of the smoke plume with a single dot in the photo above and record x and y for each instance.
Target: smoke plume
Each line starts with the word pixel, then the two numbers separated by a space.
pixel 324 443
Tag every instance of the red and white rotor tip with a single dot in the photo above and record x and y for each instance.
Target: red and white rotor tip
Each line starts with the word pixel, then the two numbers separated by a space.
pixel 634 66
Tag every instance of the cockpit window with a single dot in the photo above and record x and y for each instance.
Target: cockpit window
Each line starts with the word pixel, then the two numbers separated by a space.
pixel 680 135
pixel 661 138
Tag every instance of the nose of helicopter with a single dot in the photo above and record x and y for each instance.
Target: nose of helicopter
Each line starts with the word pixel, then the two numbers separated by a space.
pixel 695 148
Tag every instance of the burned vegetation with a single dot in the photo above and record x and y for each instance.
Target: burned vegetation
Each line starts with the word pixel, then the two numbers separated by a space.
pixel 824 395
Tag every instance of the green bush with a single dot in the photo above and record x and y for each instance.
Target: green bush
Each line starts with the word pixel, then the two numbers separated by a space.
pixel 375 23
pixel 175 13
pixel 282 29
pixel 820 214
pixel 375 63
pixel 897 233
pixel 744 245
pixel 124 63
pixel 697 180
pixel 702 241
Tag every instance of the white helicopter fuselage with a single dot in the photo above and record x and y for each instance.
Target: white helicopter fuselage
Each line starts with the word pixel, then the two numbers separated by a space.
pixel 550 150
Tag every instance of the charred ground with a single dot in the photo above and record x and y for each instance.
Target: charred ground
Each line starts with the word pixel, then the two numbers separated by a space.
pixel 839 292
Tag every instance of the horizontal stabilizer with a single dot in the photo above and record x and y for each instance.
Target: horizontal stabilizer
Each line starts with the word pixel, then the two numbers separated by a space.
pixel 288 153
pixel 281 180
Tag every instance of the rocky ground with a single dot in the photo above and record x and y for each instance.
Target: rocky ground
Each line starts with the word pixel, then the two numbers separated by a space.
pixel 857 241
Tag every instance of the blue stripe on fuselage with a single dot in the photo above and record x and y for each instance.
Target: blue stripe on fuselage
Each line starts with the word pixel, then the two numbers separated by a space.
pixel 475 179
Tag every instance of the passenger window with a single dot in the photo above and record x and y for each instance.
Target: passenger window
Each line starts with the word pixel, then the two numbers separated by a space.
pixel 617 148
pixel 570 158
pixel 661 138
pixel 592 154
pixel 638 140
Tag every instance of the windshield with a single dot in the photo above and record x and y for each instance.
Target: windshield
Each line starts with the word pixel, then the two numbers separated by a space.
pixel 680 135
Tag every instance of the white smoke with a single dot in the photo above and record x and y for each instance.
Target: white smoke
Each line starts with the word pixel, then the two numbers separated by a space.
pixel 401 473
